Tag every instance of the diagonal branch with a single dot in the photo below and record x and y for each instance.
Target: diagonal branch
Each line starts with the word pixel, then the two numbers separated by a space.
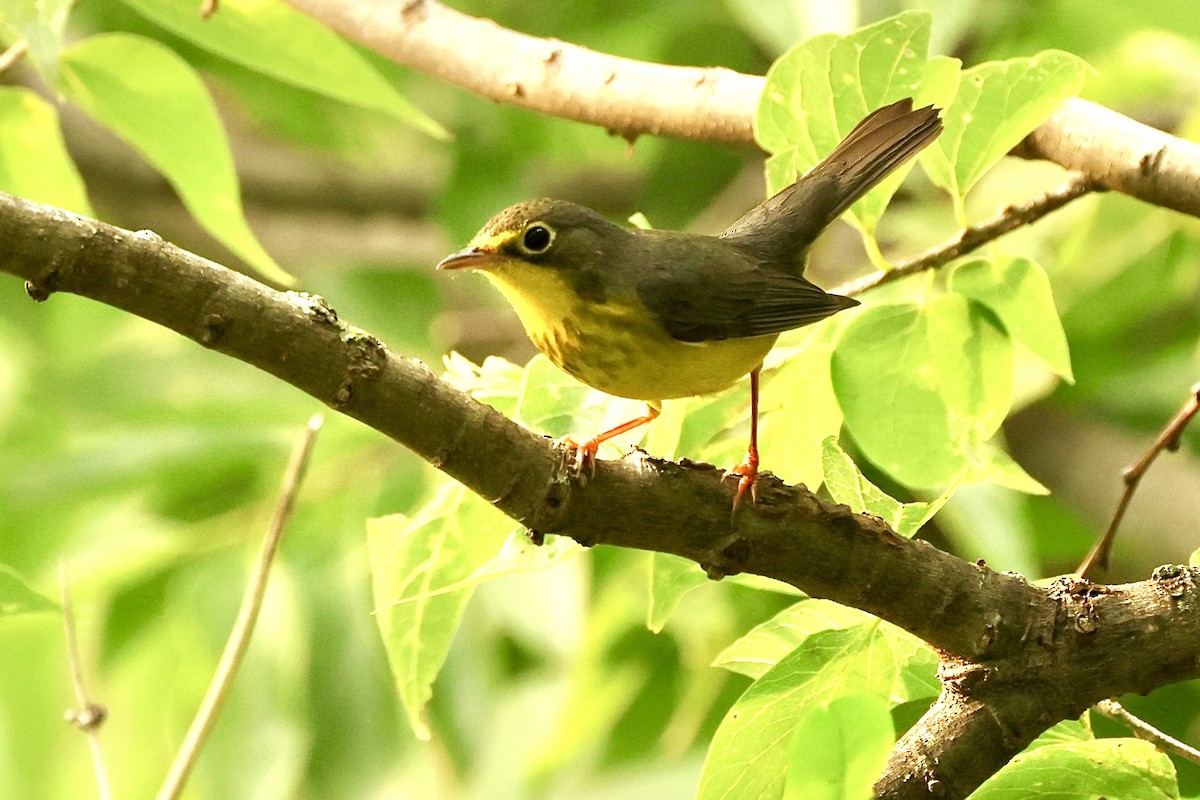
pixel 1167 439
pixel 631 98
pixel 1017 658
pixel 976 236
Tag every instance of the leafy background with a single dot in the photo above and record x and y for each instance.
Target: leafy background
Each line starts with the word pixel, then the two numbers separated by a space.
pixel 149 465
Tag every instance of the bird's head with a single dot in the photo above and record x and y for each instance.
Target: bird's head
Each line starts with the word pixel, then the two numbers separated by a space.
pixel 545 254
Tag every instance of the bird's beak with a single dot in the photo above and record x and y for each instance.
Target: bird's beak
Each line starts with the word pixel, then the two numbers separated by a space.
pixel 469 258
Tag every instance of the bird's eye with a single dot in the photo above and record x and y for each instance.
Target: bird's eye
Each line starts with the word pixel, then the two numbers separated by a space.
pixel 537 238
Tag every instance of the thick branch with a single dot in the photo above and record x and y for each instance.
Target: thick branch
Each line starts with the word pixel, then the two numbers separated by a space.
pixel 1007 641
pixel 632 98
pixel 627 97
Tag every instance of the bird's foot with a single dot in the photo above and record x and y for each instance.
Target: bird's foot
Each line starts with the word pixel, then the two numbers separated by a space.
pixel 581 455
pixel 747 475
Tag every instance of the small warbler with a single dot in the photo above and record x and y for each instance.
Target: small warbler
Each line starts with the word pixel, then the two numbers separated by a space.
pixel 656 315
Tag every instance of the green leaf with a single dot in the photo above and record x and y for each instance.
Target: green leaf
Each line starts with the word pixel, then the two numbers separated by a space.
pixel 839 751
pixel 768 642
pixel 997 104
pixel 274 39
pixel 34 162
pixel 41 23
pixel 849 486
pixel 18 597
pixel 1018 291
pixel 799 408
pixel 1119 769
pixel 821 89
pixel 671 577
pixel 1069 731
pixel 778 26
pixel 422 572
pixel 990 463
pixel 154 100
pixel 554 403
pixel 749 754
pixel 921 386
pixel 496 381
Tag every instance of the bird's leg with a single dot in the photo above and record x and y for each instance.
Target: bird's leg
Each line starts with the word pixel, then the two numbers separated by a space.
pixel 585 451
pixel 747 471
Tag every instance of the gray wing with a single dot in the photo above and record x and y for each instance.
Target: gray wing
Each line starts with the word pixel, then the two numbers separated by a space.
pixel 715 301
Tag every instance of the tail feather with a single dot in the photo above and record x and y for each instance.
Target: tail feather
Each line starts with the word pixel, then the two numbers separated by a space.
pixel 782 228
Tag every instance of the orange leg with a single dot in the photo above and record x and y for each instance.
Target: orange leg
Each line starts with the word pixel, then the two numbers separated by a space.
pixel 585 451
pixel 747 471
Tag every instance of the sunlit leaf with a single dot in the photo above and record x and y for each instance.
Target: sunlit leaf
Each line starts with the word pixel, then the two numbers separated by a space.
pixel 41 23
pixel 18 597
pixel 154 100
pixel 990 463
pixel 997 104
pixel 272 38
pixel 671 577
pixel 34 162
pixel 421 571
pixel 768 642
pixel 749 754
pixel 839 751
pixel 780 25
pixel 1130 769
pixel 922 386
pixel 849 486
pixel 1018 291
pixel 799 408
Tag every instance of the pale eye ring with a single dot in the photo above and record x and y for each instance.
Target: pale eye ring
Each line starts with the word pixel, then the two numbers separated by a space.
pixel 537 238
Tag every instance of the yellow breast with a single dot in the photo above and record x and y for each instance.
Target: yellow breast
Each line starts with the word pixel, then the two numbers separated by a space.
pixel 616 346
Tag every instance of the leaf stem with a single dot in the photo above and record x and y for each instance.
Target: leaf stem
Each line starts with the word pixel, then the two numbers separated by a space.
pixel 87 716
pixel 243 626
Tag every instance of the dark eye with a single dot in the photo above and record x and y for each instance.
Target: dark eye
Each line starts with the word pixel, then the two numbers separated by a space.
pixel 537 238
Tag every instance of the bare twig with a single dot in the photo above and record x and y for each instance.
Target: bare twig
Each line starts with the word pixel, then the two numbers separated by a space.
pixel 243 626
pixel 1168 439
pixel 208 8
pixel 13 54
pixel 1144 730
pixel 976 236
pixel 87 716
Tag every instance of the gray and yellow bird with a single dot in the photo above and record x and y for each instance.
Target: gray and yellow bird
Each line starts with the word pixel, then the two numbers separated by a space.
pixel 656 315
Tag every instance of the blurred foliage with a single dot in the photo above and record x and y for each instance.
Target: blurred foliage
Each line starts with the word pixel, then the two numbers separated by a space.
pixel 149 465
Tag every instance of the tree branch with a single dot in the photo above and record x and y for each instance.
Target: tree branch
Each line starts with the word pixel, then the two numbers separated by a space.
pixel 631 98
pixel 1144 730
pixel 976 236
pixel 1131 476
pixel 1016 658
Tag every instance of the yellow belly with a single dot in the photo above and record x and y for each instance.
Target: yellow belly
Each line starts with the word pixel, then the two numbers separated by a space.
pixel 618 348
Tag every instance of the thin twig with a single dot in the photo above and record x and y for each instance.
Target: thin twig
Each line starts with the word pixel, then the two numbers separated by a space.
pixel 87 716
pixel 208 8
pixel 1168 439
pixel 976 236
pixel 1144 730
pixel 13 54
pixel 243 626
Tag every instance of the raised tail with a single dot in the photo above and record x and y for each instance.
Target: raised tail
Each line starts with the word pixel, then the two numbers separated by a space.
pixel 781 229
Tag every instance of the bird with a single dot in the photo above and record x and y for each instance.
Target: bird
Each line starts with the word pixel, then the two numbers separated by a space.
pixel 656 315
